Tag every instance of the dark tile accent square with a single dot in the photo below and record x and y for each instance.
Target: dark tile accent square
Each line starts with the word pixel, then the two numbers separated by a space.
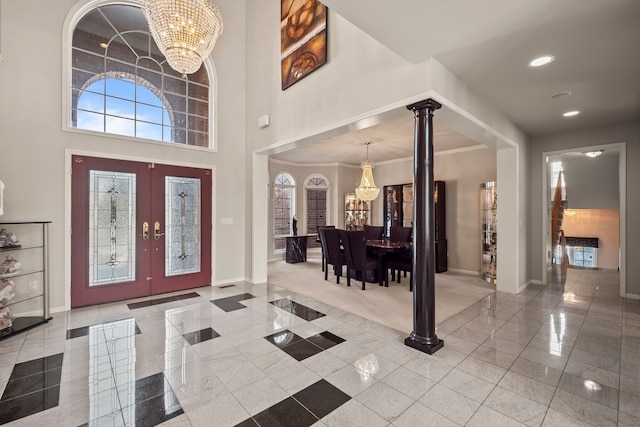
pixel 249 422
pixel 36 366
pixel 154 411
pixel 228 305
pixel 301 350
pixel 241 297
pixel 144 388
pixel 288 413
pixel 77 332
pixel 200 336
pixel 321 398
pixel 156 301
pixel 187 296
pixel 298 309
pixel 232 303
pixel 29 404
pixel 325 340
pixel 32 383
pixel 283 338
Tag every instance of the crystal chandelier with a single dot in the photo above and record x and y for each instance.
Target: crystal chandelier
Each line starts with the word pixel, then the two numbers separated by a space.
pixel 367 189
pixel 184 30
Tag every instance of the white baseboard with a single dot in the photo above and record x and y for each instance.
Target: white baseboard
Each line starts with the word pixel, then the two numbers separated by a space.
pixel 523 287
pixel 469 272
pixel 60 309
pixel 632 296
pixel 228 281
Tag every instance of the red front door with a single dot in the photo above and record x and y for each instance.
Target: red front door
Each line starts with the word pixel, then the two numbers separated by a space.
pixel 137 229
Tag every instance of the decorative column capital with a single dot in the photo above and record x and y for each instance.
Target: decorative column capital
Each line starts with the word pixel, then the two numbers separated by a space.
pixel 427 104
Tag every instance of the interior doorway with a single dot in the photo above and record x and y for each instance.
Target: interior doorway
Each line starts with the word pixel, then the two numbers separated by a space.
pixel 592 220
pixel 137 229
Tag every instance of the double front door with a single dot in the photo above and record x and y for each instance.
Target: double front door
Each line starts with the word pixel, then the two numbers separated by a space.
pixel 137 229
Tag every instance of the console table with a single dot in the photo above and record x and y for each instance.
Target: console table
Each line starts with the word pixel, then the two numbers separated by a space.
pixel 296 249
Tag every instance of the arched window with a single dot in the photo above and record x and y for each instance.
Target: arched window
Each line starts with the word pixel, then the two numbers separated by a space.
pixel 283 207
pixel 316 187
pixel 121 83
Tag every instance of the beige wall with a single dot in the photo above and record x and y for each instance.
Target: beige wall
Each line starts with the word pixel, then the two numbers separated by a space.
pixel 601 223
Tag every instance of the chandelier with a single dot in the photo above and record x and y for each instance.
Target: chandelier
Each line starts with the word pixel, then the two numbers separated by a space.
pixel 184 30
pixel 367 189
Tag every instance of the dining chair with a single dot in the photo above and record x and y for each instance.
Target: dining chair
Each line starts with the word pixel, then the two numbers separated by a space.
pixel 323 249
pixel 399 262
pixel 373 232
pixel 361 262
pixel 334 255
pixel 400 234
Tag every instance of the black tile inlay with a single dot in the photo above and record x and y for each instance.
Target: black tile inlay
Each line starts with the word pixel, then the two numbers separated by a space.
pixel 225 286
pixel 325 339
pixel 288 413
pixel 200 336
pixel 29 404
pixel 145 388
pixel 36 366
pixel 84 330
pixel 33 387
pixel 249 422
pixel 301 350
pixel 298 309
pixel 321 398
pixel 32 383
pixel 154 411
pixel 232 303
pixel 156 301
pixel 283 338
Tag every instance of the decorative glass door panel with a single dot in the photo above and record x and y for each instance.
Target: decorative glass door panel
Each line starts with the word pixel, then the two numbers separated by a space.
pixel 112 219
pixel 183 225
pixel 137 229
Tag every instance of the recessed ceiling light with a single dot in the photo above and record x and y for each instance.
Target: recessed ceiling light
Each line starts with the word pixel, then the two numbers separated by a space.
pixel 571 113
pixel 543 60
pixel 560 95
pixel 103 45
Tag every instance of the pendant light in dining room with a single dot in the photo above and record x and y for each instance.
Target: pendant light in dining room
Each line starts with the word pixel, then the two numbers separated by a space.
pixel 367 189
pixel 184 30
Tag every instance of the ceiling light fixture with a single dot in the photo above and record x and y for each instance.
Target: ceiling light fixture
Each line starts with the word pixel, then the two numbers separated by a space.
pixel 104 45
pixel 367 189
pixel 594 154
pixel 543 60
pixel 560 95
pixel 571 113
pixel 185 30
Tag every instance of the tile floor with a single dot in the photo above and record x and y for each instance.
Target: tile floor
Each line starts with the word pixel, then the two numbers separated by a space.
pixel 262 355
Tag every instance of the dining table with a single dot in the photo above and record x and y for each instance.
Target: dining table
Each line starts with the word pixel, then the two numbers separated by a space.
pixel 383 247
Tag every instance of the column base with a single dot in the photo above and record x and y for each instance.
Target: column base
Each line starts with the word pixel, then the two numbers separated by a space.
pixel 425 348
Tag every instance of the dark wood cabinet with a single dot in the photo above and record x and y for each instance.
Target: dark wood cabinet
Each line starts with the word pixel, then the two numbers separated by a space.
pixel 398 210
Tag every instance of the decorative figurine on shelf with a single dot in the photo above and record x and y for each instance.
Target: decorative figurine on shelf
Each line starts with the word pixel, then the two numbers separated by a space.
pixel 294 225
pixel 9 266
pixel 5 318
pixel 8 239
pixel 7 291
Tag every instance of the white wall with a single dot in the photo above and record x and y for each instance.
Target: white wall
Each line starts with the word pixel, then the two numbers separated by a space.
pixel 588 137
pixel 592 183
pixel 34 148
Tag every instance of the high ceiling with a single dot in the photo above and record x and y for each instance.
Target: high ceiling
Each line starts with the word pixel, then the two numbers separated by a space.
pixel 488 45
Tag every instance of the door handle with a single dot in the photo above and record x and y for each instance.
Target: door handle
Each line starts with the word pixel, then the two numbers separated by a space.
pixel 145 230
pixel 156 230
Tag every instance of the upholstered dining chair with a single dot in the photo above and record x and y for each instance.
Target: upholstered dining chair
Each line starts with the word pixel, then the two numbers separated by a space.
pixel 361 263
pixel 322 245
pixel 373 232
pixel 334 255
pixel 399 262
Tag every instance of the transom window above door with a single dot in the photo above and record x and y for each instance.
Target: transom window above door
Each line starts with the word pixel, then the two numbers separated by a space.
pixel 122 84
